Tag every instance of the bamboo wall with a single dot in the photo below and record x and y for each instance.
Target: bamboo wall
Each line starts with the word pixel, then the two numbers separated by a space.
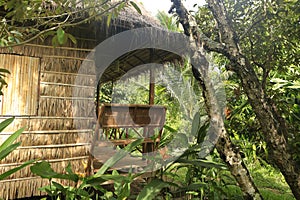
pixel 60 122
pixel 20 95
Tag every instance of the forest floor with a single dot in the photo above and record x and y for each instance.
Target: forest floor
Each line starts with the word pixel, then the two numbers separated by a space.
pixel 269 181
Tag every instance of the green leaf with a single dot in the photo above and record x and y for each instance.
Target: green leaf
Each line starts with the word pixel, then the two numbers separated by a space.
pixel 50 190
pixel 118 156
pixel 203 163
pixel 43 169
pixel 294 86
pixel 82 193
pixel 14 170
pixel 11 139
pixel 94 180
pixel 202 133
pixel 152 189
pixel 136 7
pixel 58 186
pixel 109 16
pixel 196 124
pixel 169 128
pixel 194 186
pixel 8 146
pixel 49 33
pixel 61 36
pixel 55 41
pixel 4 71
pixel 16 33
pixel 5 123
pixel 278 80
pixel 71 175
pixel 69 169
pixel 279 85
pixel 72 38
pixel 8 150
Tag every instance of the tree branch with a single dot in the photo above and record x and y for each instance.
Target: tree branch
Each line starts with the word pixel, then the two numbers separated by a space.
pixel 63 26
pixel 74 12
pixel 228 36
pixel 251 27
pixel 197 34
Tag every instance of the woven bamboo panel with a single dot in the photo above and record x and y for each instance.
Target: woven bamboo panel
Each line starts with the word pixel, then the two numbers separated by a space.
pixel 21 94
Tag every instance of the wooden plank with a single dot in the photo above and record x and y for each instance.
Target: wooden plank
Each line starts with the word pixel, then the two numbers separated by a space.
pixel 126 141
pixel 131 115
pixel 125 163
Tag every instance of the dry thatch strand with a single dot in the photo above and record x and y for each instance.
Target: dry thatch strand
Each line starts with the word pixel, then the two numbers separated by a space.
pixel 24 183
pixel 65 65
pixel 67 78
pixel 22 187
pixel 65 90
pixel 53 138
pixel 66 107
pixel 35 49
pixel 46 152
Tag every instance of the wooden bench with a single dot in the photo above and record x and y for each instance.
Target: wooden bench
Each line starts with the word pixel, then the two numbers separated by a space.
pixel 116 121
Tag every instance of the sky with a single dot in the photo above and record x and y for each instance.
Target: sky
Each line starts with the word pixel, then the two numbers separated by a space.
pixel 164 5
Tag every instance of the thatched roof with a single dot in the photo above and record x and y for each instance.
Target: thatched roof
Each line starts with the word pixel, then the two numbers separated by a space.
pixel 128 61
pixel 97 31
pixel 129 19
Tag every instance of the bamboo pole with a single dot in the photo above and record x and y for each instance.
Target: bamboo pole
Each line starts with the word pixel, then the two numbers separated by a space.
pixel 67 73
pixel 65 84
pixel 62 48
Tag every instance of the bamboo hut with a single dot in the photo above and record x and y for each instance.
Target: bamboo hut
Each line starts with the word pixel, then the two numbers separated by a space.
pixel 39 95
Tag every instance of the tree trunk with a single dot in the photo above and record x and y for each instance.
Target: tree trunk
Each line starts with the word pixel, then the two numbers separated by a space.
pixel 273 125
pixel 226 149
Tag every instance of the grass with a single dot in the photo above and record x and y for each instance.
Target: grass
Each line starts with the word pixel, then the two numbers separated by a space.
pixel 269 181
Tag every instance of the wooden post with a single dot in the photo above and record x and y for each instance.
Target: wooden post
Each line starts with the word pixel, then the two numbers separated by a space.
pixel 152 81
pixel 151 87
pixel 98 98
pixel 148 147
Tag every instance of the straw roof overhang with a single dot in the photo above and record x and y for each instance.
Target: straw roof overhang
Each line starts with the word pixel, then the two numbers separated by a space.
pixel 136 58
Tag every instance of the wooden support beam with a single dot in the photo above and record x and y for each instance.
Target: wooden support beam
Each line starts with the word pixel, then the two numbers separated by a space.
pixel 152 87
pixel 152 80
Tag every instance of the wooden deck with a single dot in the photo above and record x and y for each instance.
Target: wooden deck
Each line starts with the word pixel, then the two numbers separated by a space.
pixel 102 152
